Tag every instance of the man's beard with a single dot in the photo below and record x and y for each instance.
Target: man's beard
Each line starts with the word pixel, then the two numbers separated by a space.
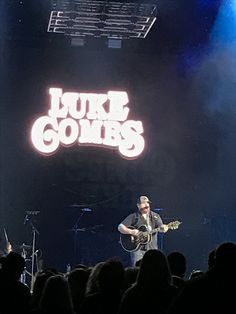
pixel 145 209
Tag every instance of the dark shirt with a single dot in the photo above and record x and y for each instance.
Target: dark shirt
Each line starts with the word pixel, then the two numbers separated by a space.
pixel 136 220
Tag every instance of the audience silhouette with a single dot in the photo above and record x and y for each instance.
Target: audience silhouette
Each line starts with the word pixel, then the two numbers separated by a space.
pixel 212 292
pixel 15 295
pixel 157 284
pixel 152 291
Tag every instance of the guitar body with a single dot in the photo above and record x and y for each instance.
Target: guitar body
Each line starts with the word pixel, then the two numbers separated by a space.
pixel 130 243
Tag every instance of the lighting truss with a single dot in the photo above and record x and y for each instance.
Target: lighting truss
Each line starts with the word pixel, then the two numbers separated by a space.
pixel 118 20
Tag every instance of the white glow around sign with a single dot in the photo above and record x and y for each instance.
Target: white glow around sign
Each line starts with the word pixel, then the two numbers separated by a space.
pixel 88 119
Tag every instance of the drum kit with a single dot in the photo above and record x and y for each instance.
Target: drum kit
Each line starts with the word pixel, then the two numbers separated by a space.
pixel 28 252
pixel 76 229
pixel 31 261
pixel 33 256
pixel 25 249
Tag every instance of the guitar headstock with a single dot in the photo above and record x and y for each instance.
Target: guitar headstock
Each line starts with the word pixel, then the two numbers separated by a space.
pixel 174 224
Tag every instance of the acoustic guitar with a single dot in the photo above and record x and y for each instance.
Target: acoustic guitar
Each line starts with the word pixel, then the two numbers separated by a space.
pixel 132 243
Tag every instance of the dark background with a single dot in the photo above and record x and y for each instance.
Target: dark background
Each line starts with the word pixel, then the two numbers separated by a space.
pixel 181 83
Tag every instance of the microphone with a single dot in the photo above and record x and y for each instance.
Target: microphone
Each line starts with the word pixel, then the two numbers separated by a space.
pixel 86 209
pixel 26 218
pixel 158 209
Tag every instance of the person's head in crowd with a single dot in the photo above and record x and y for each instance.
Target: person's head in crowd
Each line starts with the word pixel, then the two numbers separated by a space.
pixel 211 259
pixel 225 255
pixel 13 265
pixel 177 263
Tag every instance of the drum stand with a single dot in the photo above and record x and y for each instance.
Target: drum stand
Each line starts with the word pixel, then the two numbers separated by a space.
pixel 24 255
pixel 34 257
pixel 26 272
pixel 34 260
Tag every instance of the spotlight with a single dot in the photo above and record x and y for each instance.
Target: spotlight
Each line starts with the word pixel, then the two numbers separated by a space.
pixel 114 43
pixel 77 41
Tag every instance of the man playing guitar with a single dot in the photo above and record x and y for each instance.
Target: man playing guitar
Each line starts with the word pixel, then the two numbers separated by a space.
pixel 134 225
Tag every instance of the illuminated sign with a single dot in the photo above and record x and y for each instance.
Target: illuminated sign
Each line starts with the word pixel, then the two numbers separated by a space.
pixel 88 119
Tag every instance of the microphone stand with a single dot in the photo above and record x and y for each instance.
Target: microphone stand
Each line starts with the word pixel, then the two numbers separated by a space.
pixel 76 229
pixel 34 232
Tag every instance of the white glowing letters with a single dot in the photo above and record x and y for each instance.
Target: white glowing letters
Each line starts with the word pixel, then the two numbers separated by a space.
pixel 88 119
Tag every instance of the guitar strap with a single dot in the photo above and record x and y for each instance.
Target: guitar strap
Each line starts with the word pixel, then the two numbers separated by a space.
pixel 150 221
pixel 135 220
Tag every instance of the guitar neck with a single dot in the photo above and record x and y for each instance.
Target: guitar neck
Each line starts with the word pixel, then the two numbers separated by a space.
pixel 160 228
pixel 155 230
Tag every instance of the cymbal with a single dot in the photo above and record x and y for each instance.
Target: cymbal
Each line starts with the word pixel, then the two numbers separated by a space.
pixel 25 246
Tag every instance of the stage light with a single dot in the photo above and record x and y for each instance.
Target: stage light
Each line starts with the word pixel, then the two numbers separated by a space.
pixel 77 41
pixel 224 31
pixel 114 43
pixel 101 18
